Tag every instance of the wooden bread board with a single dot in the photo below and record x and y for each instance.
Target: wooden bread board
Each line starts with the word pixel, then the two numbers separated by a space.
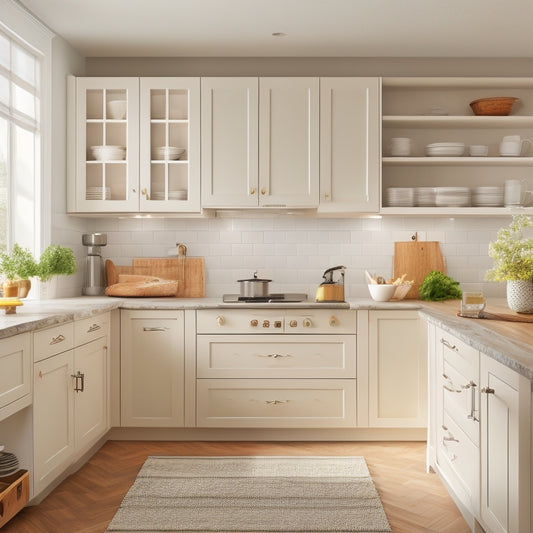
pixel 501 316
pixel 188 271
pixel 417 259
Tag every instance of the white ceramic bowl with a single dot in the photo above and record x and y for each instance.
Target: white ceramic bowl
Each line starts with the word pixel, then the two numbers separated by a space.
pixel 116 109
pixel 478 150
pixel 382 293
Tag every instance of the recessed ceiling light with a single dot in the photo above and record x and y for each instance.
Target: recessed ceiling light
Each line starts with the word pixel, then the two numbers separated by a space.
pixel 279 34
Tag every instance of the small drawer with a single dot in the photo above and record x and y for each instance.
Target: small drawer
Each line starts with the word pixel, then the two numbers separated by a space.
pixel 90 329
pixel 51 341
pixel 14 494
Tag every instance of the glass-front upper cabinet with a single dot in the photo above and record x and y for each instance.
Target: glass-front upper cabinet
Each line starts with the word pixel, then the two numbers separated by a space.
pixel 170 144
pixel 104 138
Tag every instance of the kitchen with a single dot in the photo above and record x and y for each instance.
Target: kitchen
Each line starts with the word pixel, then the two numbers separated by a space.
pixel 293 249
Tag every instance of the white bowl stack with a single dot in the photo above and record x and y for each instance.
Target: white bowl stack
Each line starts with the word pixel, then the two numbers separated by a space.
pixel 487 197
pixel 400 197
pixel 108 153
pixel 9 464
pixel 167 152
pixel 453 197
pixel 179 194
pixel 445 149
pixel 98 193
pixel 116 109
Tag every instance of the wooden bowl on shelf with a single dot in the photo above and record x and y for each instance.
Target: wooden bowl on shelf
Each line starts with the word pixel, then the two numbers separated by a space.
pixel 496 106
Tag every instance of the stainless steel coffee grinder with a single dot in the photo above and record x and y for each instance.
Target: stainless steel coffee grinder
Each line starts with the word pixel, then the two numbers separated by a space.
pixel 94 282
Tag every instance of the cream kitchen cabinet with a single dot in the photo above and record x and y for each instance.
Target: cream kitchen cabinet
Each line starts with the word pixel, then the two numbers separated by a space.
pixel 260 142
pixel 125 160
pixel 152 368
pixel 15 374
pixel 479 438
pixel 70 407
pixel 350 144
pixel 392 363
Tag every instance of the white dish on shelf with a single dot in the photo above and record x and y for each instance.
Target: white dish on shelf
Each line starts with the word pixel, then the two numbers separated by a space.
pixel 167 152
pixel 445 150
pixel 108 153
pixel 425 196
pixel 478 150
pixel 400 197
pixel 116 109
pixel 453 197
pixel 488 196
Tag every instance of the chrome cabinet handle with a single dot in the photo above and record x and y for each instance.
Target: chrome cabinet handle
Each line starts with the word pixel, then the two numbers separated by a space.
pixel 79 383
pixel 487 390
pixel 57 340
pixel 154 328
pixel 448 345
pixel 473 410
pixel 94 327
pixel 275 355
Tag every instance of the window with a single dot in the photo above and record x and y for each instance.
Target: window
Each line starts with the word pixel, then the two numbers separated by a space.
pixel 20 143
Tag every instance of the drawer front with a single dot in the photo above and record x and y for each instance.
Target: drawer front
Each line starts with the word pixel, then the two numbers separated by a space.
pixel 275 321
pixel 51 341
pixel 276 403
pixel 90 329
pixel 15 368
pixel 262 356
pixel 458 460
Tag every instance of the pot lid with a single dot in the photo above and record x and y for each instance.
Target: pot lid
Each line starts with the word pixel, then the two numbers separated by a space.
pixel 255 278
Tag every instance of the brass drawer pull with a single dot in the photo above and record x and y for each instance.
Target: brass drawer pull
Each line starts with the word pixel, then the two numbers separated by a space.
pixel 57 340
pixel 448 345
pixel 154 328
pixel 94 327
pixel 276 402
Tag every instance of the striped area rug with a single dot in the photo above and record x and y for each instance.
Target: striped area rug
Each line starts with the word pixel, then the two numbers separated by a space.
pixel 252 494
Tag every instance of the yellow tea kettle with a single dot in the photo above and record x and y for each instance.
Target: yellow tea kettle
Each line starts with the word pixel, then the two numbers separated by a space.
pixel 331 290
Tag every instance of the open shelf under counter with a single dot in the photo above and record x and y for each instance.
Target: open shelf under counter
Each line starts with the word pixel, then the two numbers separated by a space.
pixel 458 161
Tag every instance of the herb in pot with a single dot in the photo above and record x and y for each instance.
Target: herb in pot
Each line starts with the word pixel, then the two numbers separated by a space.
pixel 437 287
pixel 56 260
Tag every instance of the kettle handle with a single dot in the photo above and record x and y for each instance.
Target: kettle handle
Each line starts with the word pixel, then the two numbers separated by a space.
pixel 340 267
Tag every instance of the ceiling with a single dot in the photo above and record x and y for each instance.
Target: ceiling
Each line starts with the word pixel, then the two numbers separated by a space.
pixel 311 28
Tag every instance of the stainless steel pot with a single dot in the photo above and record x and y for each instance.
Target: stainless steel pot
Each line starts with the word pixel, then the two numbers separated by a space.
pixel 254 287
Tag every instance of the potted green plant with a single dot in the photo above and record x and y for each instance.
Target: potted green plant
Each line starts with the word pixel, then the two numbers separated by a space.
pixel 56 260
pixel 512 252
pixel 18 266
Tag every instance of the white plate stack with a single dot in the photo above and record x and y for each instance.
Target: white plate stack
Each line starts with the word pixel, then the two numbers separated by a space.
pixel 179 194
pixel 167 152
pixel 9 464
pixel 97 193
pixel 425 196
pixel 445 150
pixel 400 197
pixel 108 153
pixel 487 197
pixel 453 197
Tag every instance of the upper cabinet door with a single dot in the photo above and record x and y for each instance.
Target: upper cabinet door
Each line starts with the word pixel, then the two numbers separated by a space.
pixel 170 144
pixel 289 142
pixel 105 131
pixel 230 142
pixel 349 145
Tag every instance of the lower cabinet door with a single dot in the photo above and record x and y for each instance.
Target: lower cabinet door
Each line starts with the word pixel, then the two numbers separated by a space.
pixel 152 368
pixel 53 426
pixel 266 403
pixel 90 393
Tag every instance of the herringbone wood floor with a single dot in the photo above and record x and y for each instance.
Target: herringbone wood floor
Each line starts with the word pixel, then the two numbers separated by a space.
pixel 85 502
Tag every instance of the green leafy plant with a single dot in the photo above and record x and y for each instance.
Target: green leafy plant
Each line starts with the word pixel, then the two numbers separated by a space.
pixel 18 264
pixel 512 252
pixel 437 287
pixel 56 260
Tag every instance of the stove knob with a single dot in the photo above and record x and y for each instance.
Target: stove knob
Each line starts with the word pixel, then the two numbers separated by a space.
pixel 254 323
pixel 266 323
pixel 306 323
pixel 333 321
pixel 220 320
pixel 293 323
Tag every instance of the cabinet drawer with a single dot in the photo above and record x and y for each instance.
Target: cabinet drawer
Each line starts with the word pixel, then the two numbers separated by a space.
pixel 268 356
pixel 276 403
pixel 458 460
pixel 15 372
pixel 90 329
pixel 51 341
pixel 14 494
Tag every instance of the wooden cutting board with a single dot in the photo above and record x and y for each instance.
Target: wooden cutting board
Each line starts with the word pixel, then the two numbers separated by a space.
pixel 417 259
pixel 189 271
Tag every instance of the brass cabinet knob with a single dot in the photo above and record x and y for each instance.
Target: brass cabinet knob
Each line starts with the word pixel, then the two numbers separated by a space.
pixel 252 191
pixel 220 320
pixel 333 321
pixel 307 323
pixel 326 195
pixel 293 323
pixel 254 323
pixel 263 191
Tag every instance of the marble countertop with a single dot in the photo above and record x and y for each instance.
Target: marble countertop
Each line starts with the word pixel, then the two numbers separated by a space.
pixel 510 343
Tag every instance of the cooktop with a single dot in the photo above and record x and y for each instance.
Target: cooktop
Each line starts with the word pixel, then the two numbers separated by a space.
pixel 271 298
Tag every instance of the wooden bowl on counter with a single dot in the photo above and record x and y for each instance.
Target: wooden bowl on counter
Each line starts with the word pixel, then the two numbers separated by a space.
pixel 496 106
